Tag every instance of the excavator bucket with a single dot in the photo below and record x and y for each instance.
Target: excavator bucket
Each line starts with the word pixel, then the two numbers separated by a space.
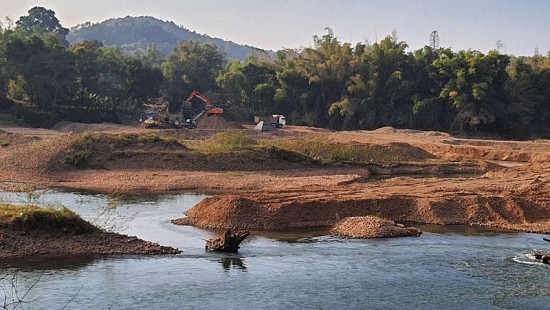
pixel 215 111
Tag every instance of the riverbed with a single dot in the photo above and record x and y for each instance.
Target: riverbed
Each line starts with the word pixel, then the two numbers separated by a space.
pixel 447 267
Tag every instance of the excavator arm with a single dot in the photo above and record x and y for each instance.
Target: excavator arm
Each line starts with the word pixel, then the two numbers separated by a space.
pixel 196 94
pixel 211 109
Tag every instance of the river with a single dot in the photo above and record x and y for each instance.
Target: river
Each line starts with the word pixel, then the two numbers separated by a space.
pixel 447 267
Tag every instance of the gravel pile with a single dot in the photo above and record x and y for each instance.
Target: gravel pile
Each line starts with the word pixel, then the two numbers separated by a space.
pixel 365 227
pixel 214 122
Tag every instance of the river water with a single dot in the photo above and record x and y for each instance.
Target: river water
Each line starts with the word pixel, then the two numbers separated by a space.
pixel 447 267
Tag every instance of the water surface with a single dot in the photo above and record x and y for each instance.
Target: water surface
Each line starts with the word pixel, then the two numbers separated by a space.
pixel 447 267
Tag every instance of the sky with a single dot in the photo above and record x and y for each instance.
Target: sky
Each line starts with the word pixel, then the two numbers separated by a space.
pixel 522 26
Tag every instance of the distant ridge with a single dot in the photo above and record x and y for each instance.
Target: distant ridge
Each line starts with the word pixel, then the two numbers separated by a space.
pixel 133 34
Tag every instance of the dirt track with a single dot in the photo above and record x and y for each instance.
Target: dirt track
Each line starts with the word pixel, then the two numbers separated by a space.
pixel 281 196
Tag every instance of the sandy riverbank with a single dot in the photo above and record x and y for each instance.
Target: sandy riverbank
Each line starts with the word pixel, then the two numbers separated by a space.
pixel 456 183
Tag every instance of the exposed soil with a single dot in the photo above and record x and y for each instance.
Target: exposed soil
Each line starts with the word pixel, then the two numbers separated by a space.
pixel 16 243
pixel 215 122
pixel 72 127
pixel 62 233
pixel 456 180
pixel 366 227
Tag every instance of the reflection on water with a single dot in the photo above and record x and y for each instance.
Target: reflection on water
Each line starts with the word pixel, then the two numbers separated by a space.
pixel 229 263
pixel 464 230
pixel 299 236
pixel 31 264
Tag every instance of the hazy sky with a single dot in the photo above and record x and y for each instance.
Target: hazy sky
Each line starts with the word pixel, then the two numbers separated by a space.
pixel 522 25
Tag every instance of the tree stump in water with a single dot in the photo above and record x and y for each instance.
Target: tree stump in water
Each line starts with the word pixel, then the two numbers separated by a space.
pixel 227 242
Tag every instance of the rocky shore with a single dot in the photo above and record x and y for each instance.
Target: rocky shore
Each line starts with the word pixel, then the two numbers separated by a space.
pixel 18 244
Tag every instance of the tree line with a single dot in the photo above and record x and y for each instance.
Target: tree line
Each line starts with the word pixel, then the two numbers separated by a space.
pixel 332 84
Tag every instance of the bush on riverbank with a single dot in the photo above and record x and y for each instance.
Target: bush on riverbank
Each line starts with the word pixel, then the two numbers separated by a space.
pixel 46 219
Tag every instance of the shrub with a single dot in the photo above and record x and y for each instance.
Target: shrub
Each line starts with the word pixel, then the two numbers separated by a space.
pixel 288 155
pixel 77 158
pixel 36 218
pixel 228 141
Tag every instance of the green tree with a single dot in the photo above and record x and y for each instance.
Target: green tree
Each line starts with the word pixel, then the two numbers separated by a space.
pixel 41 71
pixel 475 86
pixel 109 79
pixel 3 62
pixel 251 85
pixel 192 66
pixel 378 88
pixel 233 81
pixel 291 96
pixel 143 82
pixel 151 57
pixel 430 110
pixel 43 20
pixel 123 82
pixel 528 93
pixel 326 67
pixel 88 70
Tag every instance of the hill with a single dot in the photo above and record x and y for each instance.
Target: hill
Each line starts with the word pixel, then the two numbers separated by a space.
pixel 133 34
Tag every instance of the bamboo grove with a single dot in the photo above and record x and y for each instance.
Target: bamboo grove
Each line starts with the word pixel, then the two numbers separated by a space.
pixel 332 84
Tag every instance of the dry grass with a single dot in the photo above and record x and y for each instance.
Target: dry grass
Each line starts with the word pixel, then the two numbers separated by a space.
pixel 331 152
pixel 43 218
pixel 80 152
pixel 228 141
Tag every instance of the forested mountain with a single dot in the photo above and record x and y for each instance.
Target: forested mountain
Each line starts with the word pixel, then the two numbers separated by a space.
pixel 134 34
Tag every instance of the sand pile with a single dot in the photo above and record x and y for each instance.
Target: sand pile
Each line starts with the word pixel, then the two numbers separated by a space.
pixel 221 212
pixel 391 130
pixel 365 227
pixel 215 122
pixel 525 211
pixel 81 127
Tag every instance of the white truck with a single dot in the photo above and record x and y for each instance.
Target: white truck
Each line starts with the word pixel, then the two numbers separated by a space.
pixel 276 120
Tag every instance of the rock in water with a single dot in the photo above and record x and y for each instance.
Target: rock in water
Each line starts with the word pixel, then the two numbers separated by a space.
pixel 227 242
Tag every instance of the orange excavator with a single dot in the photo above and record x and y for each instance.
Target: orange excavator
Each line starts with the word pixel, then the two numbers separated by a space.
pixel 210 109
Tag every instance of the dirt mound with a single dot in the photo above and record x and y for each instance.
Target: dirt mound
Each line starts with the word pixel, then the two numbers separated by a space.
pixel 122 151
pixel 10 139
pixel 61 154
pixel 386 130
pixel 31 231
pixel 461 152
pixel 80 127
pixel 130 151
pixel 279 212
pixel 371 227
pixel 391 130
pixel 36 159
pixel 223 212
pixel 276 213
pixel 16 243
pixel 215 122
